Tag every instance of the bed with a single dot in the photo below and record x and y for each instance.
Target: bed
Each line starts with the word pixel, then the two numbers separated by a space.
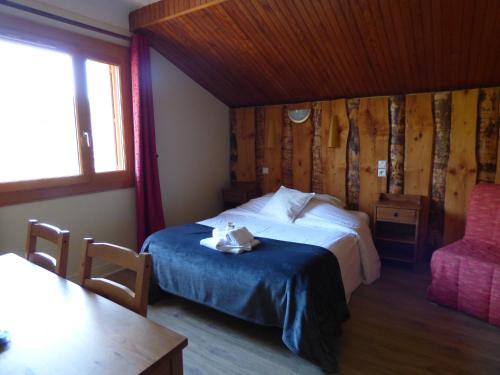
pixel 299 279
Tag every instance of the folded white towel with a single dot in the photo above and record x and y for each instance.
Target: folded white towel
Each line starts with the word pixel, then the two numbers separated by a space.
pixel 227 247
pixel 240 236
pixel 220 234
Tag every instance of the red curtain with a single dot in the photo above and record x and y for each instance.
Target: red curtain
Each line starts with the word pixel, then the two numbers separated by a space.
pixel 149 208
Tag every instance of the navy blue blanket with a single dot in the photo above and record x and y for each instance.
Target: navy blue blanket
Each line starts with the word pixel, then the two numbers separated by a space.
pixel 293 286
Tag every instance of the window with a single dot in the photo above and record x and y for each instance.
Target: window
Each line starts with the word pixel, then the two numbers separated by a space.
pixel 65 122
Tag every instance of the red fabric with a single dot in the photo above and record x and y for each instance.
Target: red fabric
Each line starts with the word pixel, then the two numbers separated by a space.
pixel 483 216
pixel 149 208
pixel 466 273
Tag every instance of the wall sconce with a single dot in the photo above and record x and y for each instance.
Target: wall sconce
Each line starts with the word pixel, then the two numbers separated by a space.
pixel 298 116
pixel 333 133
pixel 270 136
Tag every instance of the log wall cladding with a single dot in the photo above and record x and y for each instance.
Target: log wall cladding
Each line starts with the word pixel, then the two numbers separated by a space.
pixel 272 148
pixel 419 136
pixel 260 119
pixel 373 125
pixel 487 133
pixel 442 124
pixel 317 169
pixel 462 164
pixel 333 159
pixel 243 145
pixel 302 137
pixel 353 155
pixel 396 144
pixel 438 145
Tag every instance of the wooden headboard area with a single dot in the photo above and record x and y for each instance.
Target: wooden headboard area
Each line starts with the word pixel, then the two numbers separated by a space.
pixel 438 145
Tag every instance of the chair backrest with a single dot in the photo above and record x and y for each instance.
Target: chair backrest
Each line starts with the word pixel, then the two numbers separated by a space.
pixel 483 215
pixel 60 238
pixel 137 299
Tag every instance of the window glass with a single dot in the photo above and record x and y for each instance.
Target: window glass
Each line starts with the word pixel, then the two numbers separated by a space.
pixel 38 133
pixel 103 89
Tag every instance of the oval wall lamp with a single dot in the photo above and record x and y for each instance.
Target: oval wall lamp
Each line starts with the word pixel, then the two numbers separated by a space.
pixel 298 116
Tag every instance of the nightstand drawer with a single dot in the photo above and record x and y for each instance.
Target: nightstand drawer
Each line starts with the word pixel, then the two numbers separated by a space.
pixel 397 215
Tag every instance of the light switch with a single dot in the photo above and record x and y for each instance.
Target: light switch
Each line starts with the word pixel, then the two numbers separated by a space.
pixel 382 164
pixel 382 172
pixel 265 170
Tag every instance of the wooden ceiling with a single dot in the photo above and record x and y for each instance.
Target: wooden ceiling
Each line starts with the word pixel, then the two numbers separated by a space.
pixel 253 52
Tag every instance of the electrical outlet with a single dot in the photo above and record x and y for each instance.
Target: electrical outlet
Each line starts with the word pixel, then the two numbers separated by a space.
pixel 381 172
pixel 265 170
pixel 382 164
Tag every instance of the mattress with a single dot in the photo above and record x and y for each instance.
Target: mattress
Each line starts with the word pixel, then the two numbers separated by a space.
pixel 353 247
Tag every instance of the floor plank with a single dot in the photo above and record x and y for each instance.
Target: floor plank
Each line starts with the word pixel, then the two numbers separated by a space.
pixel 393 330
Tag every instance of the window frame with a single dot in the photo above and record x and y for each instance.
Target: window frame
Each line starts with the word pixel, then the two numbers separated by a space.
pixel 81 48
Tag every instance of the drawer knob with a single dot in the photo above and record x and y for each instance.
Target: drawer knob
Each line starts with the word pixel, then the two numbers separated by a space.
pixel 396 214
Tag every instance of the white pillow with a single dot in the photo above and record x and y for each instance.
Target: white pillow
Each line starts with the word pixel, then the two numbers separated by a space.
pixel 330 199
pixel 286 204
pixel 317 212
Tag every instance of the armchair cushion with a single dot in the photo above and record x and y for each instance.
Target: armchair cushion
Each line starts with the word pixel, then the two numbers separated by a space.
pixel 466 273
pixel 483 214
pixel 466 277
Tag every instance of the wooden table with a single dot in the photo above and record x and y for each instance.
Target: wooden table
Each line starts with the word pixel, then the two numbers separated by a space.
pixel 57 327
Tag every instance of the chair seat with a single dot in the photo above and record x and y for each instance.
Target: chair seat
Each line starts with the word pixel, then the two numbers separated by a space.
pixel 466 276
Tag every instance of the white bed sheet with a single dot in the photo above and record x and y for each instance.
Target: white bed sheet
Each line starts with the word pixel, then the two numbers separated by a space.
pixel 357 257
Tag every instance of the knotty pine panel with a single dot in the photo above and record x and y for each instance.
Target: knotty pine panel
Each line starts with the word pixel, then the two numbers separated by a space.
pixel 334 160
pixel 442 136
pixel 462 164
pixel 373 124
pixel 419 139
pixel 301 157
pixel 273 126
pixel 243 165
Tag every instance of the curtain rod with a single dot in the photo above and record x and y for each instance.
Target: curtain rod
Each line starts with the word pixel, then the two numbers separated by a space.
pixel 65 20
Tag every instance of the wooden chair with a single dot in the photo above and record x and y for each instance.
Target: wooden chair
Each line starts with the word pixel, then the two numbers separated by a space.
pixel 136 300
pixel 53 234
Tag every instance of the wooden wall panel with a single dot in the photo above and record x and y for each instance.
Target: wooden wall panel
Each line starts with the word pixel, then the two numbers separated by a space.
pixel 259 143
pixel 317 167
pixel 272 148
pixel 447 137
pixel 487 132
pixel 397 144
pixel 442 125
pixel 243 166
pixel 373 123
pixel 462 165
pixel 334 160
pixel 287 151
pixel 419 139
pixel 301 156
pixel 353 155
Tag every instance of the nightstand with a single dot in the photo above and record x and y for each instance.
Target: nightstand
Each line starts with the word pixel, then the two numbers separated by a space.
pixel 239 193
pixel 397 227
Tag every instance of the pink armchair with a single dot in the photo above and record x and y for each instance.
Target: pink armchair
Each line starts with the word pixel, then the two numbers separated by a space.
pixel 466 273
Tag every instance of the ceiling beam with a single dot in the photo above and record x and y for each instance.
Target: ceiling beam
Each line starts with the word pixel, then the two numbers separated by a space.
pixel 165 10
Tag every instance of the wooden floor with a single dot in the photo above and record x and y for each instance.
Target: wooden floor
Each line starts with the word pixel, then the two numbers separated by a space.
pixel 393 330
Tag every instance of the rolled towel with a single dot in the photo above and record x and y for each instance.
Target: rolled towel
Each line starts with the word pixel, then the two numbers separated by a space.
pixel 240 236
pixel 226 247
